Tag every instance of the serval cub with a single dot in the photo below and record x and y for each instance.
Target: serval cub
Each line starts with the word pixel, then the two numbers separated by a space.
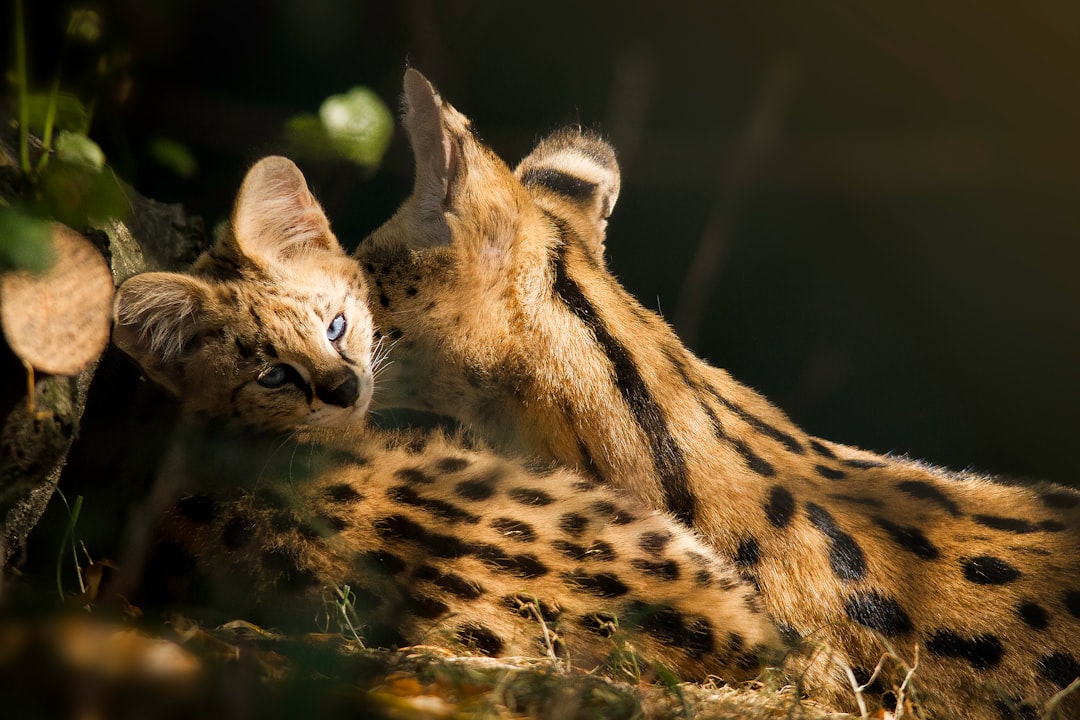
pixel 493 283
pixel 437 543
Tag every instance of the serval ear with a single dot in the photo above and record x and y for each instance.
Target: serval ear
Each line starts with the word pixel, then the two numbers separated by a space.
pixel 574 175
pixel 440 140
pixel 157 318
pixel 276 218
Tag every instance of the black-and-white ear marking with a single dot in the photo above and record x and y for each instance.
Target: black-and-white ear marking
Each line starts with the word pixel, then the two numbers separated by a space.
pixel 576 167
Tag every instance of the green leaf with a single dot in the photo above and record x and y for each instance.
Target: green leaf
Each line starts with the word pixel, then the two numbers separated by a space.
pixel 355 126
pixel 78 149
pixel 174 156
pixel 78 195
pixel 71 115
pixel 85 25
pixel 25 242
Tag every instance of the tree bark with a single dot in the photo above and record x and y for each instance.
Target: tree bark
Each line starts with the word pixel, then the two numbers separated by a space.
pixel 36 437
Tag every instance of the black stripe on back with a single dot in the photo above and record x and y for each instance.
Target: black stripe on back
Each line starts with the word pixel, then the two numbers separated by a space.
pixel 752 459
pixel 758 424
pixel 563 183
pixel 667 455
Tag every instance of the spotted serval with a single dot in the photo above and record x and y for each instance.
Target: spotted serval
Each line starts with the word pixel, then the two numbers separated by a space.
pixel 492 284
pixel 437 543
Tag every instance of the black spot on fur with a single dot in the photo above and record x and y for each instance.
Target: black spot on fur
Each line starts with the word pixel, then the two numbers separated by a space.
pixel 878 612
pixel 1013 525
pixel 458 586
pixel 753 461
pixel 780 507
pixel 530 496
pixel 752 420
pixel 856 500
pixel 829 473
pixel 282 521
pixel 524 565
pixel 424 606
pixel 821 449
pixel 910 538
pixel 926 491
pixel 664 569
pixel 863 464
pixel 414 475
pixel 200 508
pixel 599 551
pixel 654 542
pixel 480 638
pixel 982 652
pixel 380 561
pixel 528 606
pixel 325 525
pixel 1051 526
pixel 271 499
pixel 452 464
pixel 622 517
pixel 564 184
pixel 237 532
pixel 573 524
pixel 1072 602
pixel 693 634
pixel 400 527
pixel 603 624
pixel 845 556
pixel 667 455
pixel 1033 615
pixel 599 584
pixel 477 489
pixel 1014 709
pixel 989 570
pixel 1059 668
pixel 440 508
pixel 290 577
pixel 748 553
pixel 515 529
pixel 342 493
pixel 1061 500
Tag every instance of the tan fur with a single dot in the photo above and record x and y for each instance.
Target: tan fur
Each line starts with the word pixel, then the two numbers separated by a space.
pixel 438 543
pixel 481 576
pixel 513 325
pixel 263 297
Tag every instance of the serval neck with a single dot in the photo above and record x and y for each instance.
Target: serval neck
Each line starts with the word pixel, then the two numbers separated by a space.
pixel 595 381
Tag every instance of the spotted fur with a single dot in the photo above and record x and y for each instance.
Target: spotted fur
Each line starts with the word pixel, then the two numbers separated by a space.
pixel 436 543
pixel 494 282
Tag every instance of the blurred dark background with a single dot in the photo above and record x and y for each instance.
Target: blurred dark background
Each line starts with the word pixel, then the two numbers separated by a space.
pixel 887 193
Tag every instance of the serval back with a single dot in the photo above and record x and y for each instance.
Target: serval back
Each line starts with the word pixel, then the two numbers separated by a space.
pixel 493 284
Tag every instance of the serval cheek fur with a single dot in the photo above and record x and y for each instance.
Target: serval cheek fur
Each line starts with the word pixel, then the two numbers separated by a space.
pixel 544 353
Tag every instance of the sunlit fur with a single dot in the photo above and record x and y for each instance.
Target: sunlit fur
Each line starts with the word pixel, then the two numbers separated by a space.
pixel 264 295
pixel 507 318
pixel 426 538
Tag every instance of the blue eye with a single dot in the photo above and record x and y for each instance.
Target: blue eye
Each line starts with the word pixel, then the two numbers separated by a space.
pixel 336 329
pixel 274 377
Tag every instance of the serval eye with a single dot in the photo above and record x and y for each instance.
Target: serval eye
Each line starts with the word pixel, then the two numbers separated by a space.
pixel 336 329
pixel 274 377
